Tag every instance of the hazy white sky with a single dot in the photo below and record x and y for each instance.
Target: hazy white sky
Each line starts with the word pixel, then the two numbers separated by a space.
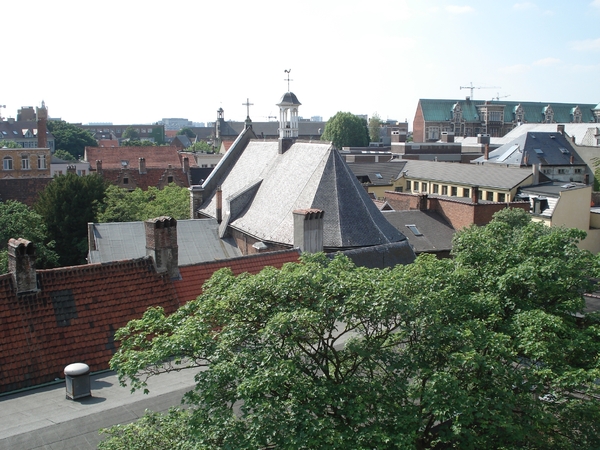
pixel 133 61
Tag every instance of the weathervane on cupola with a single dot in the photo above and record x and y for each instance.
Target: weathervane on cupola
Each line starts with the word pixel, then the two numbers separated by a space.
pixel 288 113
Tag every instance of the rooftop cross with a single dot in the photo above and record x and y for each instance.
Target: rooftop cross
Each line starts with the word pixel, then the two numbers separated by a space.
pixel 288 78
pixel 248 105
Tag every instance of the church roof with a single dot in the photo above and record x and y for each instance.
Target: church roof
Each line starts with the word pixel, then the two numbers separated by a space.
pixel 261 188
pixel 289 98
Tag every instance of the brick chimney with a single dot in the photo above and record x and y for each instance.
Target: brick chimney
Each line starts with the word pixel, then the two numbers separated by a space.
pixel 475 195
pixel 161 244
pixel 72 168
pixel 572 159
pixel 308 230
pixel 422 202
pixel 42 126
pixel 186 164
pixel 21 264
pixel 142 165
pixel 219 209
pixel 196 198
pixel 99 166
pixel 486 151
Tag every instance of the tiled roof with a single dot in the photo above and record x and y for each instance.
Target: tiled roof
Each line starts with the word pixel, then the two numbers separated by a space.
pixel 549 149
pixel 193 277
pixel 486 176
pixel 73 317
pixel 261 188
pixel 155 156
pixel 198 241
pixel 436 110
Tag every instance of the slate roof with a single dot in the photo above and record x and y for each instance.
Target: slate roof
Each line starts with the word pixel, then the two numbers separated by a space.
pixel 289 99
pixel 548 149
pixel 73 317
pixel 156 156
pixel 485 176
pixel 198 241
pixel 436 232
pixel 574 130
pixel 382 173
pixel 262 188
pixel 550 192
pixel 193 277
pixel 436 110
pixel 380 256
pixel 16 130
pixel 306 130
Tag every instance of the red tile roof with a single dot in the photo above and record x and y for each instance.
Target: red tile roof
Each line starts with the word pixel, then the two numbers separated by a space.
pixel 73 317
pixel 156 156
pixel 194 277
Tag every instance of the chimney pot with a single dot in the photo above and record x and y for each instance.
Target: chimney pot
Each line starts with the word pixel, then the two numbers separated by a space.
pixel 142 165
pixel 219 208
pixel 161 244
pixel 21 264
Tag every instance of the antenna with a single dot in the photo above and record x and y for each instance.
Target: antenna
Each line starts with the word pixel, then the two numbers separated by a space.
pixel 288 78
pixel 498 96
pixel 471 87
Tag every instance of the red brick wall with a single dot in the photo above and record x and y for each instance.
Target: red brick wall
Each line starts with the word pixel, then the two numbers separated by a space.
pixel 245 243
pixel 419 125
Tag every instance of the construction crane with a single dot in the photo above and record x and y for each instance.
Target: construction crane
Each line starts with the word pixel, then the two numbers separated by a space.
pixel 471 87
pixel 498 96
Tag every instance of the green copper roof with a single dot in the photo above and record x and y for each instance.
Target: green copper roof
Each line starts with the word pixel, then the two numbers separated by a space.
pixel 435 110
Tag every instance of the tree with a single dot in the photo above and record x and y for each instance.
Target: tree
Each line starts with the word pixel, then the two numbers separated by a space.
pixel 121 205
pixel 67 204
pixel 158 135
pixel 346 130
pixel 17 220
pixel 374 127
pixel 64 155
pixel 481 351
pixel 130 133
pixel 9 144
pixel 70 138
pixel 187 132
pixel 138 143
pixel 200 146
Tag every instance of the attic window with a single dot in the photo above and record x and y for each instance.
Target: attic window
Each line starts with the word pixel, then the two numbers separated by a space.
pixel 414 229
pixel 378 175
pixel 15 133
pixel 539 151
pixel 564 150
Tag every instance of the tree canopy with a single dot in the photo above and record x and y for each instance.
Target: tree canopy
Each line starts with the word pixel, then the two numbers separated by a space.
pixel 121 205
pixel 200 146
pixel 66 206
pixel 130 133
pixel 346 130
pixel 187 132
pixel 64 155
pixel 17 220
pixel 374 127
pixel 9 144
pixel 70 138
pixel 480 351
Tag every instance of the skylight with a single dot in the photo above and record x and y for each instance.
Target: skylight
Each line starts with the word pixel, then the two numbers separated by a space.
pixel 564 150
pixel 414 229
pixel 378 175
pixel 538 151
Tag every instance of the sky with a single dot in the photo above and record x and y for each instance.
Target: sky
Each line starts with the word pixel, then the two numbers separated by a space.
pixel 137 62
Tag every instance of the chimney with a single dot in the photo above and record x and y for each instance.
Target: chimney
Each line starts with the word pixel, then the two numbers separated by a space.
pixel 572 159
pixel 447 136
pixel 219 196
pixel 161 244
pixel 186 164
pixel 486 152
pixel 285 144
pixel 526 159
pixel 21 264
pixel 483 138
pixel 71 168
pixel 586 179
pixel 423 202
pixel 42 127
pixel 99 166
pixel 142 165
pixel 560 128
pixel 196 198
pixel 475 195
pixel 308 230
pixel 536 174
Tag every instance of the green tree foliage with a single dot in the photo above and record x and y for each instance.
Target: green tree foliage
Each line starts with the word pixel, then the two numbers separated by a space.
pixel 66 206
pixel 70 138
pixel 200 146
pixel 130 133
pixel 121 205
pixel 187 132
pixel 346 130
pixel 138 143
pixel 64 155
pixel 374 127
pixel 482 351
pixel 17 220
pixel 9 144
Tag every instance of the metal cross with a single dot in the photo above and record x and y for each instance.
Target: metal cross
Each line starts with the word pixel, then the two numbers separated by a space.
pixel 248 105
pixel 288 78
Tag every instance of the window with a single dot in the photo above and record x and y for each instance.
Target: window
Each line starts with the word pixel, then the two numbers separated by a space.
pixel 501 197
pixel 435 188
pixel 378 175
pixel 454 191
pixel 25 162
pixel 416 186
pixel 408 187
pixel 489 196
pixel 125 180
pixel 444 190
pixel 81 173
pixel 414 229
pixel 398 189
pixel 423 187
pixel 124 163
pixel 562 171
pixel 466 192
pixel 41 161
pixel 578 170
pixel 169 179
pixel 7 163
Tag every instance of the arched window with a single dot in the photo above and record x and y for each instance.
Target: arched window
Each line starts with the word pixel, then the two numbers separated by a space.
pixel 7 163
